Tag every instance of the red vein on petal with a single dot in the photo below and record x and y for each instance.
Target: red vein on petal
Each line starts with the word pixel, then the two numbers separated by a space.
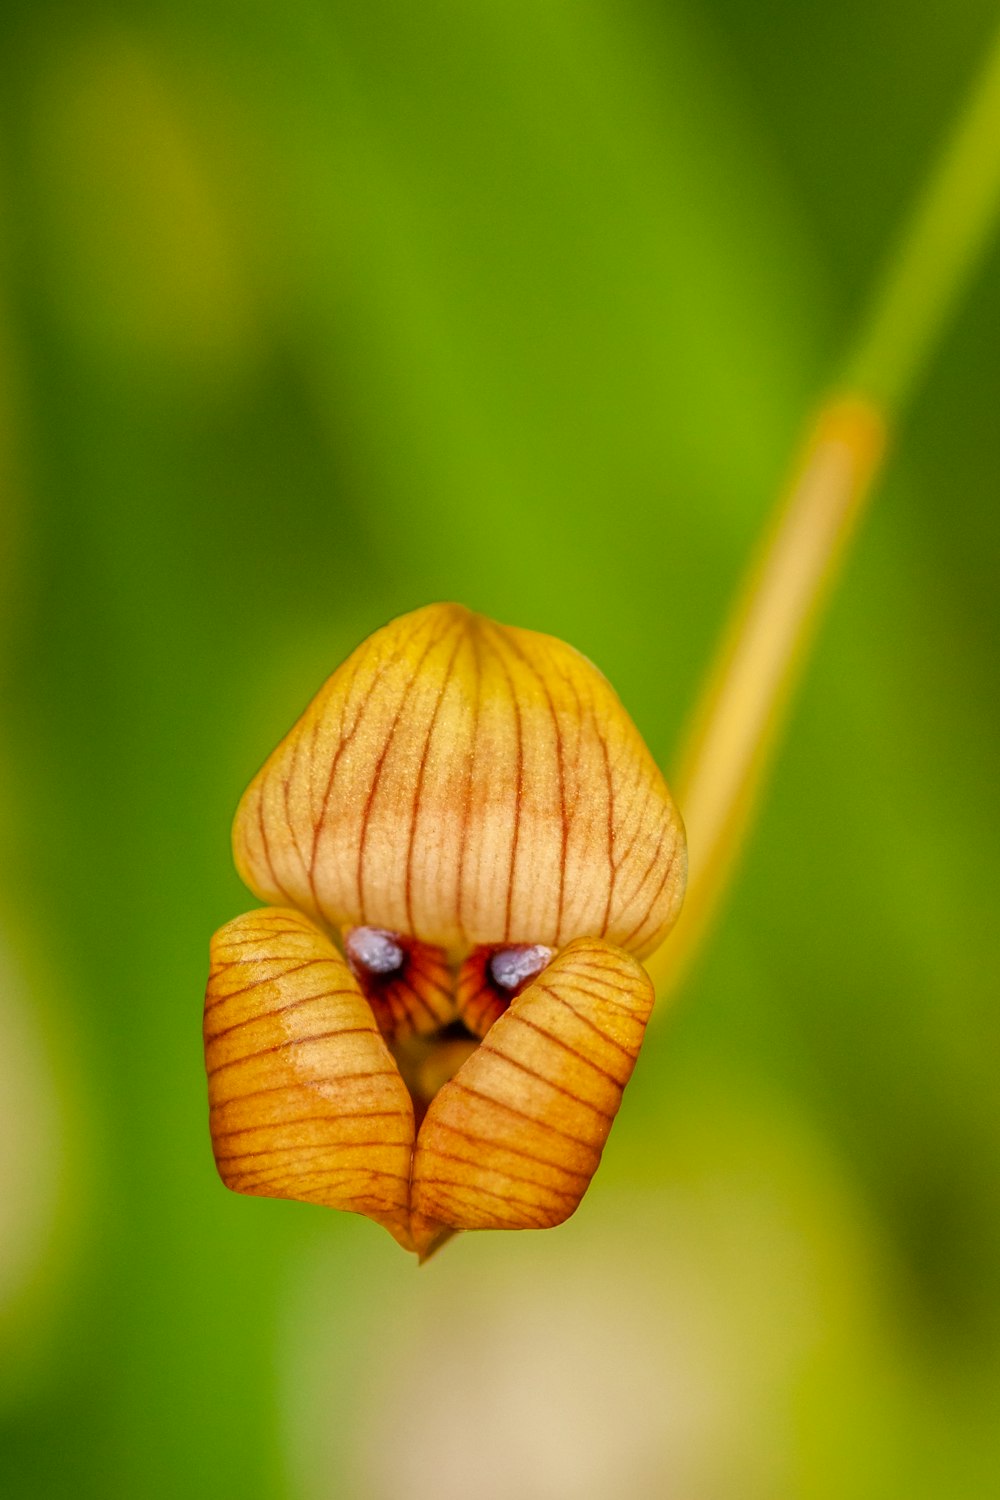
pixel 557 1041
pixel 501 1145
pixel 586 1021
pixel 522 1067
pixel 651 905
pixel 512 1109
pixel 263 936
pixel 265 843
pixel 344 741
pixel 405 696
pixel 473 637
pixel 293 1121
pixel 421 772
pixel 265 1016
pixel 612 872
pixel 329 1176
pixel 266 979
pixel 484 1165
pixel 286 778
pixel 512 645
pixel 299 1085
pixel 287 1044
pixel 515 705
pixel 466 1189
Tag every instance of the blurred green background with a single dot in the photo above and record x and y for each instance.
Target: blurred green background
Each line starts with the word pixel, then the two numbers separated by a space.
pixel 311 313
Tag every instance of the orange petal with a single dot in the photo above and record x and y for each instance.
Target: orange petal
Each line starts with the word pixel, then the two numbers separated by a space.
pixel 514 1139
pixel 306 1101
pixel 467 783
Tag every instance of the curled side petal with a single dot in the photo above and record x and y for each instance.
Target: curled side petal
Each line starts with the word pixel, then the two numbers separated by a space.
pixel 305 1099
pixel 514 1139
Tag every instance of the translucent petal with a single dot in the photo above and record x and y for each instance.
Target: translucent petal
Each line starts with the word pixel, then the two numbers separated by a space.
pixel 514 1139
pixel 305 1099
pixel 467 783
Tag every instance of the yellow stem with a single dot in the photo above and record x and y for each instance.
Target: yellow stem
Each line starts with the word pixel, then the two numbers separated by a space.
pixel 761 656
pixel 763 650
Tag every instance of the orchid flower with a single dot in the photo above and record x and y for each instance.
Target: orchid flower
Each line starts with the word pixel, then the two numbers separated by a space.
pixel 466 849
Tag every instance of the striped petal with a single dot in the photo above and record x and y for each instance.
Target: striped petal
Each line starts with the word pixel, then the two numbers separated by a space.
pixel 467 783
pixel 305 1099
pixel 512 1141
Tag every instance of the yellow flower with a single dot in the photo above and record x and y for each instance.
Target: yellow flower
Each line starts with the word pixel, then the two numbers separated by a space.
pixel 466 848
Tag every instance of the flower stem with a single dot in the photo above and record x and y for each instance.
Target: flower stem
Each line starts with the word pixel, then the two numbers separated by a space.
pixel 737 723
pixel 949 230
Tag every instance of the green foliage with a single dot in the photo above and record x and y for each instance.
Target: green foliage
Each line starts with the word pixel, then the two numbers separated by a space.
pixel 310 314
